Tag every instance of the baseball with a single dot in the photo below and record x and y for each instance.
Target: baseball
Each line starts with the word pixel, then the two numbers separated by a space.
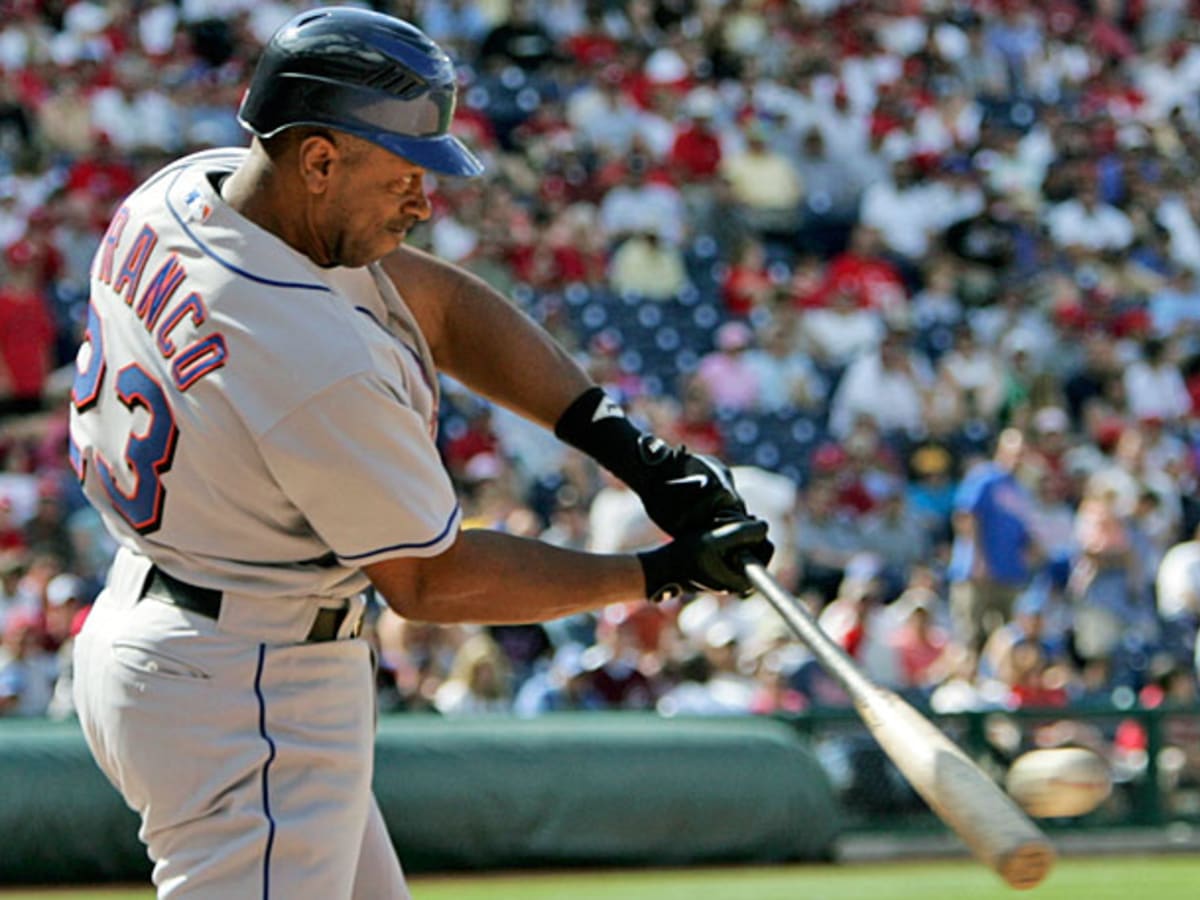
pixel 1065 781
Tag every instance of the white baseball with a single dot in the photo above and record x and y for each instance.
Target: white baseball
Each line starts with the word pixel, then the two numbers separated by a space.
pixel 1064 781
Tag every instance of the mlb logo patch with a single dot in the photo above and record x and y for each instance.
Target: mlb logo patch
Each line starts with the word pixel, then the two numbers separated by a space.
pixel 198 209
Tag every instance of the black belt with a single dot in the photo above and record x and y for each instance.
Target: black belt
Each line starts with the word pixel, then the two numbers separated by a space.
pixel 207 602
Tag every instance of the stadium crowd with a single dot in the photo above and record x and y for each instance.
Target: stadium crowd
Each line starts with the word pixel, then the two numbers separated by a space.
pixel 923 271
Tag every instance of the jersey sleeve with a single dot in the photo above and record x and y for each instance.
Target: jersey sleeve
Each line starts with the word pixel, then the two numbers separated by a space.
pixel 363 469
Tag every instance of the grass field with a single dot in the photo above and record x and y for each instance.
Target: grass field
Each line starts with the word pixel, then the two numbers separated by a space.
pixel 1127 878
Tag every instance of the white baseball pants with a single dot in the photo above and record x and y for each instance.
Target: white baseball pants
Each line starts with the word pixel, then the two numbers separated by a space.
pixel 249 762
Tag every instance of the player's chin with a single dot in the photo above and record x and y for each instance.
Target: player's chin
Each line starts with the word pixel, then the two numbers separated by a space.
pixel 393 238
pixel 383 244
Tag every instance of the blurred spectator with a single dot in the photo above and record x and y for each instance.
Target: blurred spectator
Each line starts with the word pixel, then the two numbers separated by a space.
pixel 647 266
pixel 1033 681
pixel 134 112
pixel 931 488
pixel 641 206
pixel 747 285
pixel 900 209
pixel 103 176
pixel 1112 611
pixel 866 629
pixel 1154 387
pixel 1088 222
pixel 564 684
pixel 457 25
pixel 27 333
pixel 895 532
pixel 826 539
pixel 603 116
pixel 15 598
pixel 46 530
pixel 478 681
pixel 65 117
pixel 27 669
pixel 695 423
pixel 765 184
pixel 975 373
pixel 728 375
pixel 617 523
pixel 617 661
pixel 923 647
pixel 786 377
pixel 414 660
pixel 885 387
pixel 842 331
pixel 867 275
pixel 519 40
pixel 937 303
pixel 12 536
pixel 994 546
pixel 1175 307
pixel 712 681
pixel 67 600
pixel 833 188
pixel 695 154
pixel 1090 380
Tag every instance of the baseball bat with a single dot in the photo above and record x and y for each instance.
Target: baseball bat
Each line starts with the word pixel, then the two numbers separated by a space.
pixel 962 795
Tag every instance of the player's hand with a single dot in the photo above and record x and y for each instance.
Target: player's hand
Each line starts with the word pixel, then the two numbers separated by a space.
pixel 706 560
pixel 682 492
pixel 686 492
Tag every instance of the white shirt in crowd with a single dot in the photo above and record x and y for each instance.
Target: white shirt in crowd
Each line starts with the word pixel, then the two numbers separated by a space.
pixel 892 399
pixel 1102 227
pixel 1157 392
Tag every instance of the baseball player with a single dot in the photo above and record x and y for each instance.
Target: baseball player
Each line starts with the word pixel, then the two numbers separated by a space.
pixel 253 414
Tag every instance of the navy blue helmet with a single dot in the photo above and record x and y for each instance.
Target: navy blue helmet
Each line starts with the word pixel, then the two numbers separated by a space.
pixel 363 73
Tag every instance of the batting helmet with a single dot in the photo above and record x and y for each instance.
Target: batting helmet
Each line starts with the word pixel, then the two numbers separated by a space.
pixel 364 73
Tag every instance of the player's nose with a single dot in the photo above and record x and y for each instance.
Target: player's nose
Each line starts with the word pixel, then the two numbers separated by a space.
pixel 416 201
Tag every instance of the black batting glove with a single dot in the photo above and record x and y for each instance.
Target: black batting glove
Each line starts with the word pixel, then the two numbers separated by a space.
pixel 682 492
pixel 706 561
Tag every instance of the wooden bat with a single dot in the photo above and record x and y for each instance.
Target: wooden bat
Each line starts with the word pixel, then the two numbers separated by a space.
pixel 963 795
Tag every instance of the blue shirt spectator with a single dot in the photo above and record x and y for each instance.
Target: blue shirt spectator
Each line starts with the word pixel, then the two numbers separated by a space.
pixel 999 541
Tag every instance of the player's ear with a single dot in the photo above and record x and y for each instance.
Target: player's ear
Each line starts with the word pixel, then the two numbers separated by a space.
pixel 316 154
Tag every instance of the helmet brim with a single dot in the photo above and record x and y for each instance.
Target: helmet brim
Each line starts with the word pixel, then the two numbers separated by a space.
pixel 444 154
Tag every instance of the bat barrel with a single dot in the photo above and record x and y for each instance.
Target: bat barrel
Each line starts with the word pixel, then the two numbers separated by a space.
pixel 986 819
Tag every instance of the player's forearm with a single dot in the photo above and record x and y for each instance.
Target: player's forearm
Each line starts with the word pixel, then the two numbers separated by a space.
pixel 492 578
pixel 499 353
pixel 480 338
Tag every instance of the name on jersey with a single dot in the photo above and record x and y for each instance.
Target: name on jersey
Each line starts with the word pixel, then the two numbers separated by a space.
pixel 155 304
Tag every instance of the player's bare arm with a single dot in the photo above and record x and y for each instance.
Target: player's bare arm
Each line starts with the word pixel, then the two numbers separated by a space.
pixel 522 367
pixel 487 577
pixel 525 370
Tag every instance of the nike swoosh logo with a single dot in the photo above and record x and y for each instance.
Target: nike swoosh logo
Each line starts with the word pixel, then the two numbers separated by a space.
pixel 608 409
pixel 699 479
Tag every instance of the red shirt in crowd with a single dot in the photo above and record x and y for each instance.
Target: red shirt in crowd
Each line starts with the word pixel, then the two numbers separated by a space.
pixel 745 288
pixel 108 179
pixel 875 283
pixel 27 336
pixel 696 153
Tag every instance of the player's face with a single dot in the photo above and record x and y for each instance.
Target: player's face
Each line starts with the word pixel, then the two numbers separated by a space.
pixel 375 199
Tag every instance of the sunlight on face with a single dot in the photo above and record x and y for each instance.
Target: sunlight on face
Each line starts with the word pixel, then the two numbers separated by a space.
pixel 374 199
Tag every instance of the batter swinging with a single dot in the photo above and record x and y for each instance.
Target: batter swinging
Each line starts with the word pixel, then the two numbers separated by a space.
pixel 254 415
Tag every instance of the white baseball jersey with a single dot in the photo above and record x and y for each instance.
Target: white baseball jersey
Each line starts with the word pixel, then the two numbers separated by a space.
pixel 248 420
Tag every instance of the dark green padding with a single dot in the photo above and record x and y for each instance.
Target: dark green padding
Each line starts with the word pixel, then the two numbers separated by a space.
pixel 588 789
